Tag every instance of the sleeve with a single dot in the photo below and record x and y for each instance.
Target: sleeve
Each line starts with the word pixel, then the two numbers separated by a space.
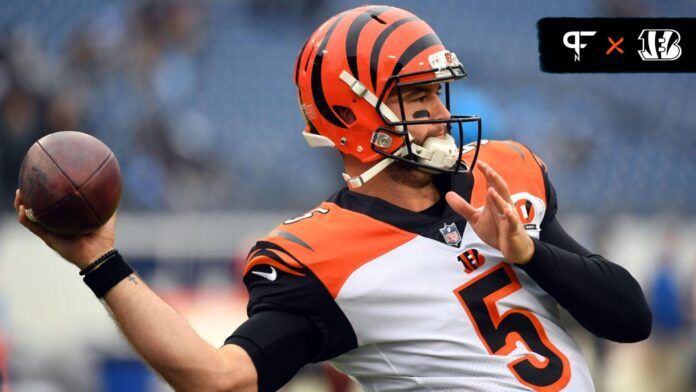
pixel 293 321
pixel 602 296
pixel 279 344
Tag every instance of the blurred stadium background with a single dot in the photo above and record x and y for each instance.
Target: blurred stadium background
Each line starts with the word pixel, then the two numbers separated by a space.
pixel 196 100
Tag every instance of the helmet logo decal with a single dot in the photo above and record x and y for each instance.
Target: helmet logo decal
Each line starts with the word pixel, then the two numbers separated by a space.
pixel 317 87
pixel 447 65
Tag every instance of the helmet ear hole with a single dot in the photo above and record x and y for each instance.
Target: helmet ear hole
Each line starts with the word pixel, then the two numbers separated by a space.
pixel 346 114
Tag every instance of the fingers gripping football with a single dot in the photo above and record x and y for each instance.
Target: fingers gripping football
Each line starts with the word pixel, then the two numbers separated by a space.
pixel 79 250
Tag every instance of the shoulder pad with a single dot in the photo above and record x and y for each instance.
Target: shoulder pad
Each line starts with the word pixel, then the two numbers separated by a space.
pixel 524 174
pixel 330 241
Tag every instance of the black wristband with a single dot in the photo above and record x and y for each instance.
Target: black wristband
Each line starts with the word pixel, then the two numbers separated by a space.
pixel 100 260
pixel 108 274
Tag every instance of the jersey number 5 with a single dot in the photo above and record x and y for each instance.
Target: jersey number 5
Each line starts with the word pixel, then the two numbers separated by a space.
pixel 548 370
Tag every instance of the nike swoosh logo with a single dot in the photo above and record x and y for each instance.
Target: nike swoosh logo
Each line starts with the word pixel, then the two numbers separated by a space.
pixel 268 275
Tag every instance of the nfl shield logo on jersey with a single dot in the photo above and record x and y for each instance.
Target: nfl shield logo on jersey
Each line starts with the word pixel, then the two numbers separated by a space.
pixel 450 233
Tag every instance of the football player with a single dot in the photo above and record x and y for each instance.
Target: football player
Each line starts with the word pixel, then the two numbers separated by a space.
pixel 438 266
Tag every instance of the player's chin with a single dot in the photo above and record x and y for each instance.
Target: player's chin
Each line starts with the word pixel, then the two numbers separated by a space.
pixel 409 175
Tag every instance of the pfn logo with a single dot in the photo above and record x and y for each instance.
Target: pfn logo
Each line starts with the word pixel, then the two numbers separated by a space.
pixel 575 44
pixel 659 45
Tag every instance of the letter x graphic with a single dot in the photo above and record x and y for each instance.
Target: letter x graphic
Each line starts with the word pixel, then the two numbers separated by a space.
pixel 615 45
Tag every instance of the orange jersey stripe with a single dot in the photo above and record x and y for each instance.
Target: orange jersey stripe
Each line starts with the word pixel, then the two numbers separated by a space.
pixel 334 244
pixel 252 259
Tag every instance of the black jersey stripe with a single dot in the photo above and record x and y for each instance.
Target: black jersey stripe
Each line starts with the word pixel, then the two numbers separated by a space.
pixel 377 48
pixel 291 237
pixel 317 84
pixel 354 34
pixel 264 245
pixel 274 256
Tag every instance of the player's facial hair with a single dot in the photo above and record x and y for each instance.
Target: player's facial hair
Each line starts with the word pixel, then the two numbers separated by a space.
pixel 405 174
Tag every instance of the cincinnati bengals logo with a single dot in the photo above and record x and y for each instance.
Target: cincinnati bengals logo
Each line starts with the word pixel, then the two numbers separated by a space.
pixel 471 259
pixel 660 45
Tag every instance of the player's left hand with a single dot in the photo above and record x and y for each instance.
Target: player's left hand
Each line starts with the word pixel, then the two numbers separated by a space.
pixel 496 223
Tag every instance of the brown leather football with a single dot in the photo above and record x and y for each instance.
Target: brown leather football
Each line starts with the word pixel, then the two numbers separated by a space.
pixel 70 183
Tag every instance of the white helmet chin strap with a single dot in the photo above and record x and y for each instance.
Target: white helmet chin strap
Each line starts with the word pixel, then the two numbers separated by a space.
pixel 358 181
pixel 361 91
pixel 437 152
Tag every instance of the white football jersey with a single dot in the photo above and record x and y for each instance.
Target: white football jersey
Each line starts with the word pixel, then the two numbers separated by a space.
pixel 417 301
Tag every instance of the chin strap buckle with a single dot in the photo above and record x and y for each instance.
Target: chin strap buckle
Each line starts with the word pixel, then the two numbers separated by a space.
pixel 358 88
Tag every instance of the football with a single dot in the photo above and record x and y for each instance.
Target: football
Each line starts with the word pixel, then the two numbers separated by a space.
pixel 70 183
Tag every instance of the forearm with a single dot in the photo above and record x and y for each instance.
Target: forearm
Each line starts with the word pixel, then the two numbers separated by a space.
pixel 157 332
pixel 165 340
pixel 602 296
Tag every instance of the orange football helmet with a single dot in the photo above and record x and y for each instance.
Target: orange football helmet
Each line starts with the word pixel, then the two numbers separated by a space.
pixel 351 64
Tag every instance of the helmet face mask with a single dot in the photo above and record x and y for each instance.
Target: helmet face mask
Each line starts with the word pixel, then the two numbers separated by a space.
pixel 399 129
pixel 357 60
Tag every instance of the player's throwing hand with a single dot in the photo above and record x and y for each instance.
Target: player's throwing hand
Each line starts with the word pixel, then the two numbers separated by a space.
pixel 497 223
pixel 79 250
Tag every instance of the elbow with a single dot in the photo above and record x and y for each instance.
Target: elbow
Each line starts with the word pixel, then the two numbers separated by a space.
pixel 641 315
pixel 209 382
pixel 217 376
pixel 236 371
pixel 632 329
pixel 643 326
pixel 182 382
pixel 627 319
pixel 647 327
pixel 637 322
pixel 637 316
pixel 637 329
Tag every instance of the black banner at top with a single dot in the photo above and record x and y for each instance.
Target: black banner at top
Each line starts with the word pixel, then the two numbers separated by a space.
pixel 617 44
